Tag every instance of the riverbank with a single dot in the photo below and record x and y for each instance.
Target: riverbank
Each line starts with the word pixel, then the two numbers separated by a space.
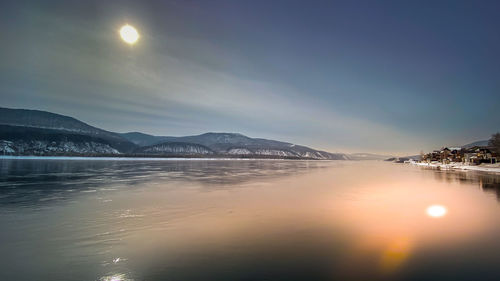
pixel 105 158
pixel 492 168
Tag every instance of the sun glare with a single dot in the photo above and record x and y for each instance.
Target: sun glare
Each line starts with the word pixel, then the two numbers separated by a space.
pixel 436 211
pixel 129 34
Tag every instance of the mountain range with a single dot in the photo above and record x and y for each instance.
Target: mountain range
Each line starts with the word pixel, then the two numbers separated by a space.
pixel 35 132
pixel 476 143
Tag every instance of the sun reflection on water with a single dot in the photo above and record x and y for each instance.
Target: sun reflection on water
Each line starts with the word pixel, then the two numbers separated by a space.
pixel 436 211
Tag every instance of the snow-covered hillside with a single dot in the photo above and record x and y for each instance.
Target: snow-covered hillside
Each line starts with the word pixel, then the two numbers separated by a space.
pixel 175 148
pixel 36 120
pixel 54 148
pixel 235 144
pixel 34 132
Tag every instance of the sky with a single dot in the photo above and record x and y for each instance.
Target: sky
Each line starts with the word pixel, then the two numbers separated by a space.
pixel 393 77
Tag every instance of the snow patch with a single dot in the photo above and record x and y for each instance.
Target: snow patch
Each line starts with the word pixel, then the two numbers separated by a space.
pixel 239 151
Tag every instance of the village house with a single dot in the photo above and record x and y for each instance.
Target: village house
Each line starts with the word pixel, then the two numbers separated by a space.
pixel 431 157
pixel 479 154
pixel 470 156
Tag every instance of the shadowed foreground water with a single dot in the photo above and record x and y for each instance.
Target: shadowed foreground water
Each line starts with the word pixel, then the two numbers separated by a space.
pixel 245 220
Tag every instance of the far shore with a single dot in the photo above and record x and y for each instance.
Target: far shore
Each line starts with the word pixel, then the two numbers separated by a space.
pixel 122 158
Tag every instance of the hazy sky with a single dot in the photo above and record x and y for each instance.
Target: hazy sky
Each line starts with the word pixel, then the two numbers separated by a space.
pixel 353 76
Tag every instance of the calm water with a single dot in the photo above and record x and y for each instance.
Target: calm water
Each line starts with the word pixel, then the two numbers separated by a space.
pixel 245 220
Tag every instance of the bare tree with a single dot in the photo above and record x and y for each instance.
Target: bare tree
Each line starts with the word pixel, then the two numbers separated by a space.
pixel 494 142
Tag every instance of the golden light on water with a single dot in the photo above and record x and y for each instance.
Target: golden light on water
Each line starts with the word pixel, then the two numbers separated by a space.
pixel 395 254
pixel 129 34
pixel 436 211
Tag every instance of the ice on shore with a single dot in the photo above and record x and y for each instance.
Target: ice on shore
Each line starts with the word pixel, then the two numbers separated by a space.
pixel 495 168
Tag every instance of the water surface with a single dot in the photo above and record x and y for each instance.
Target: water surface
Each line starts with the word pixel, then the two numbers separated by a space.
pixel 245 220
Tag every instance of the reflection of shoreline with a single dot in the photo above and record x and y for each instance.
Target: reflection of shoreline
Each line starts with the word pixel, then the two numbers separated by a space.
pixel 492 187
pixel 487 182
pixel 35 182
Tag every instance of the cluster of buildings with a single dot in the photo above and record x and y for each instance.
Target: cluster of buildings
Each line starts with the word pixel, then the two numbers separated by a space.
pixel 470 156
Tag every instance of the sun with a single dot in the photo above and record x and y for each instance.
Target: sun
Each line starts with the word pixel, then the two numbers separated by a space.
pixel 129 34
pixel 436 211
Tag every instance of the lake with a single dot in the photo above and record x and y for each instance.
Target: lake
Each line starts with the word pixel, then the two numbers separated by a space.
pixel 245 220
